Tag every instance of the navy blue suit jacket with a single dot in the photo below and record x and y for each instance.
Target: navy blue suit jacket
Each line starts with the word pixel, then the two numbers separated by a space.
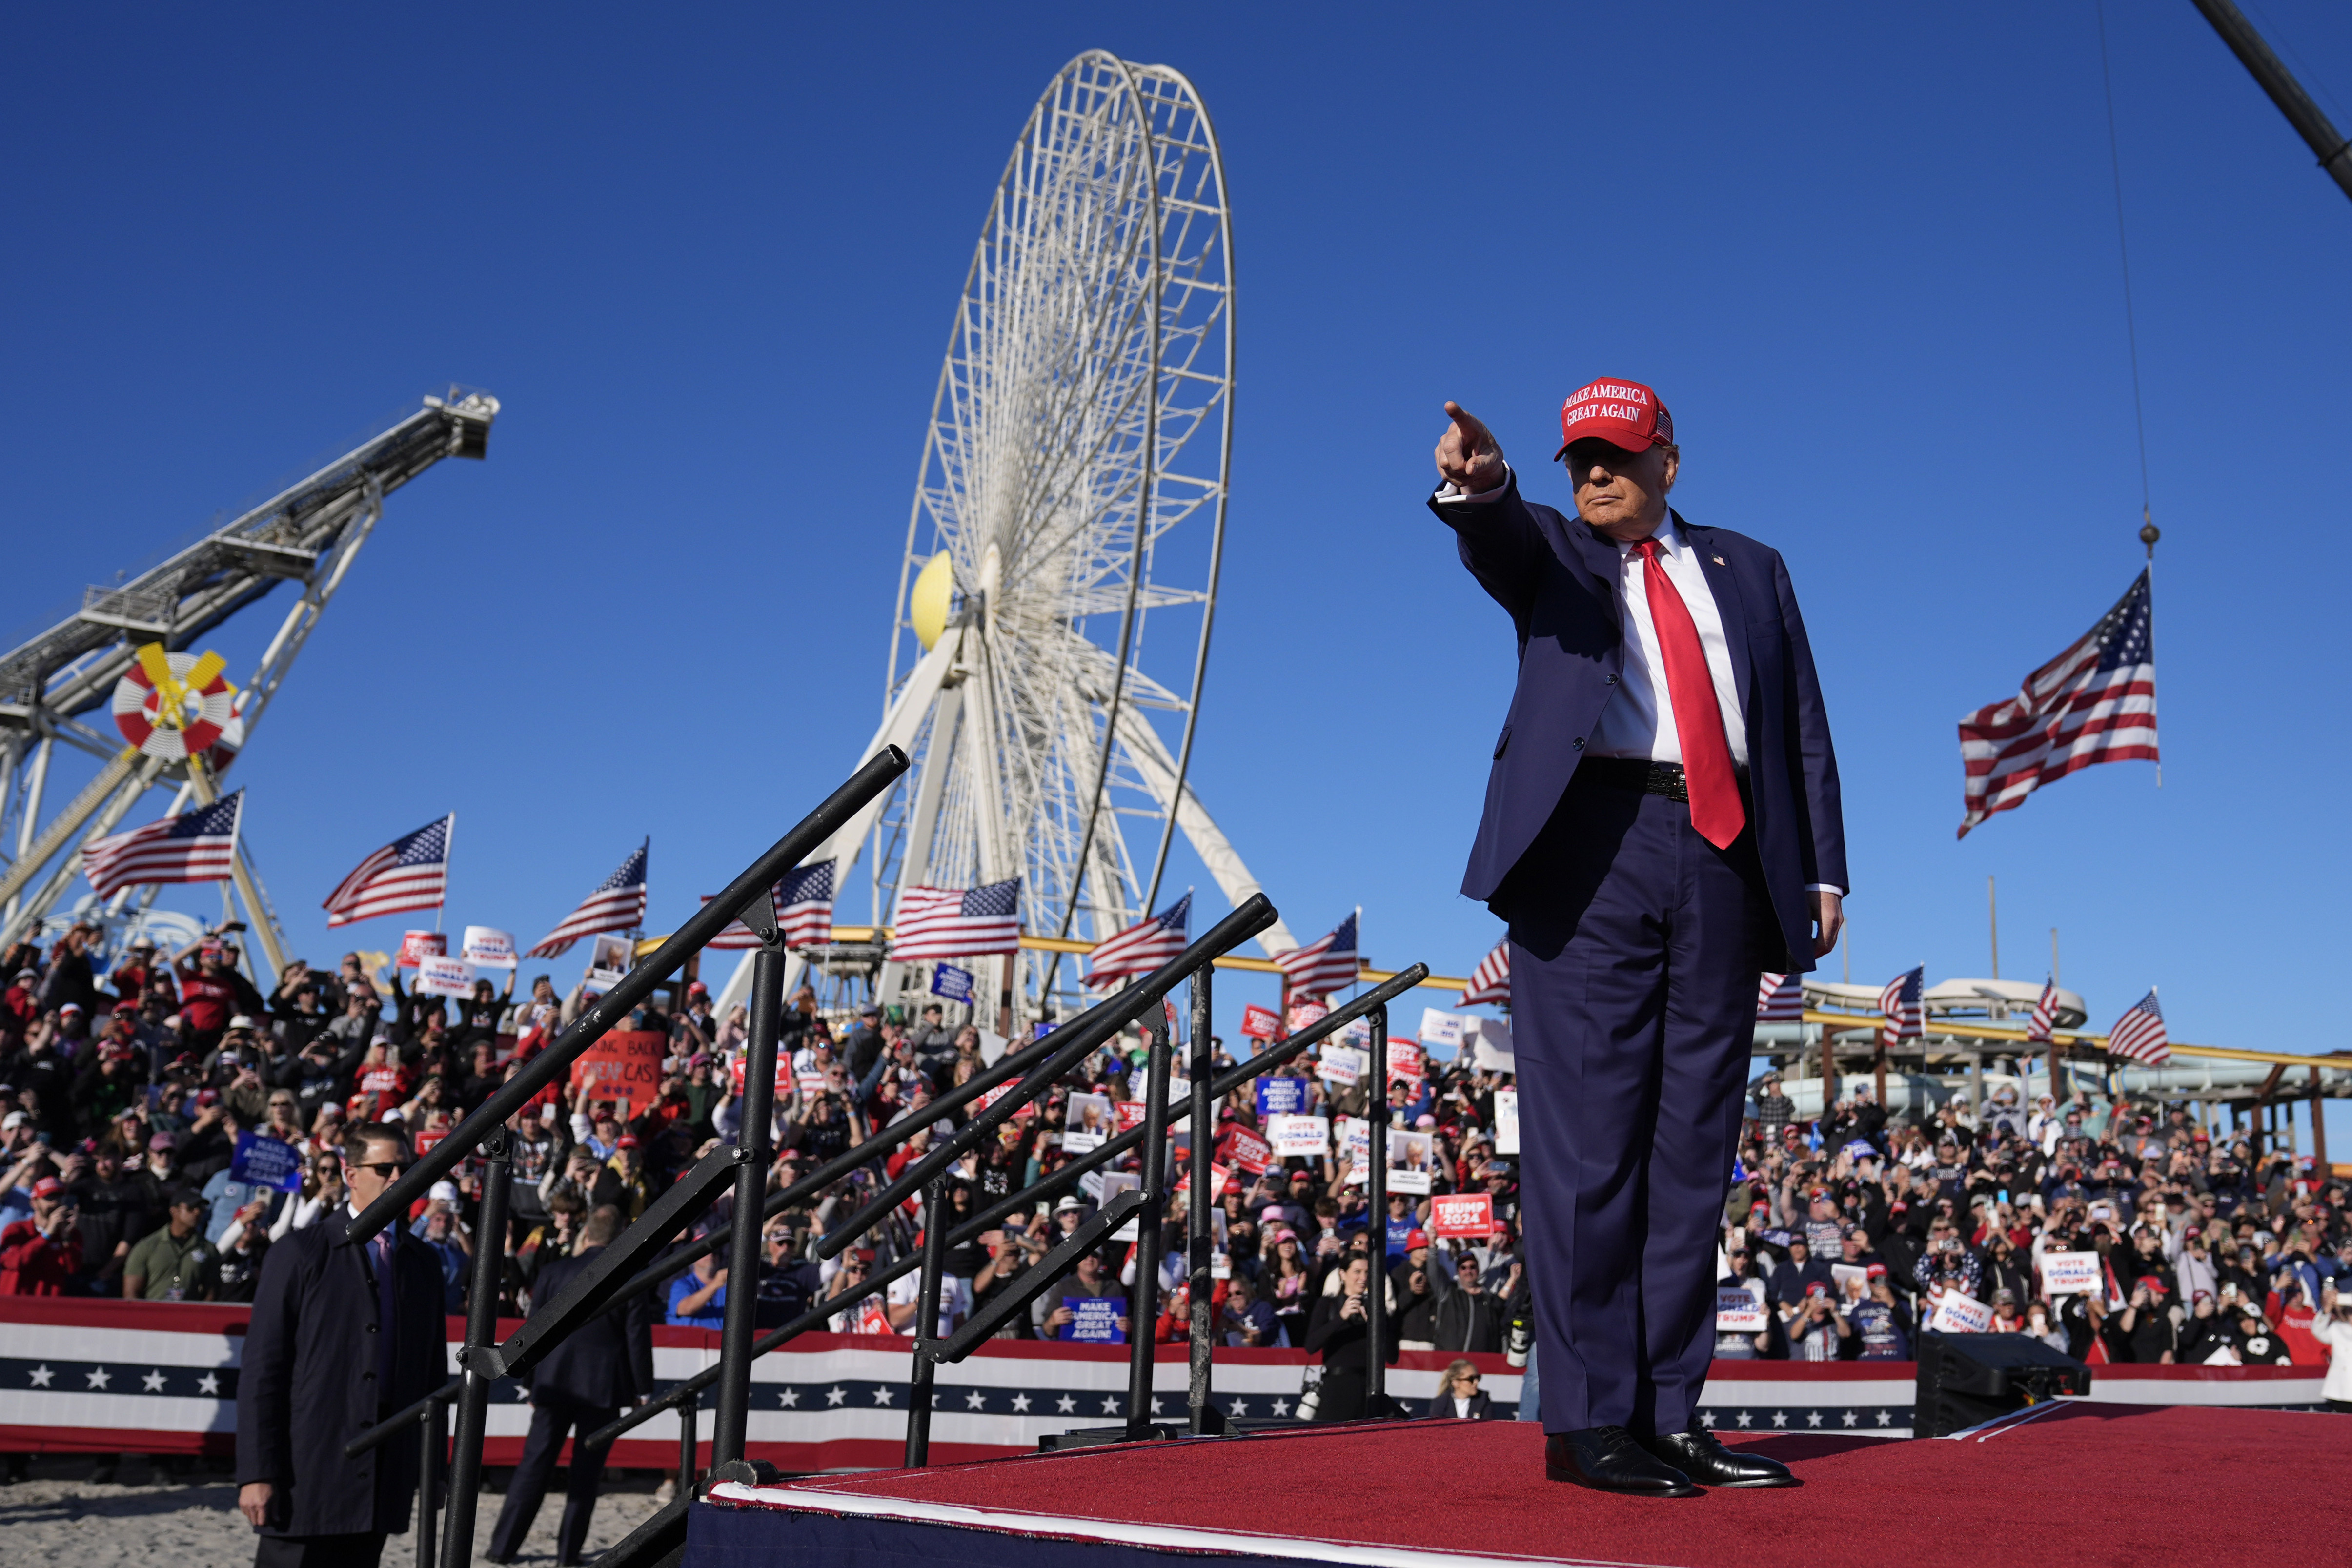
pixel 1558 578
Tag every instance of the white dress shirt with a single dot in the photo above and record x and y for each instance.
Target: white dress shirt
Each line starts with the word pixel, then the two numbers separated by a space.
pixel 1638 720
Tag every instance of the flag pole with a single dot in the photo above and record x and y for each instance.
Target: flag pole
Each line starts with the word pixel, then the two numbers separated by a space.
pixel 448 858
pixel 2149 534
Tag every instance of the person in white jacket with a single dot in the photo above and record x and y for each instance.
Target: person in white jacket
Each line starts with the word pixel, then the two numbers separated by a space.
pixel 2333 1328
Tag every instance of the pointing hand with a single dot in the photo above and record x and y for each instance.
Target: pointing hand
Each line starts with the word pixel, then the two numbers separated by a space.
pixel 1469 455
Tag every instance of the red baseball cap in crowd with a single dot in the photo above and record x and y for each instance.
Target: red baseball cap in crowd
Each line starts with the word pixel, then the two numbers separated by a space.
pixel 1412 1239
pixel 50 1187
pixel 1622 413
pixel 1875 1271
pixel 1815 1289
pixel 628 1141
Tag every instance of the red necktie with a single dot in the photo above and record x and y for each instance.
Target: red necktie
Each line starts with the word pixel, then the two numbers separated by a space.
pixel 1713 787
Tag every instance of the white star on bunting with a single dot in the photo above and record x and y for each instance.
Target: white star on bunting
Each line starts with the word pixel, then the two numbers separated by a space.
pixel 1743 1420
pixel 1885 1419
pixel 153 1381
pixel 835 1394
pixel 788 1398
pixel 99 1377
pixel 1850 1418
pixel 1707 1419
pixel 1282 1407
pixel 1812 1417
pixel 1111 1404
pixel 976 1400
pixel 1241 1407
pixel 208 1384
pixel 42 1375
pixel 882 1394
pixel 1066 1404
pixel 1779 1418
pixel 1021 1404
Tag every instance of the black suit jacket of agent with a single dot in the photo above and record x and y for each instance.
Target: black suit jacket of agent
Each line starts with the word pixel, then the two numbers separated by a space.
pixel 308 1383
pixel 1558 578
pixel 1481 1407
pixel 608 1361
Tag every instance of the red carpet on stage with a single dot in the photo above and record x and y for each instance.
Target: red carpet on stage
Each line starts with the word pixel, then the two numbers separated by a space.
pixel 2080 1484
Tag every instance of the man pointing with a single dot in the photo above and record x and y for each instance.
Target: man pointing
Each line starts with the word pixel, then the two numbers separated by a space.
pixel 1662 823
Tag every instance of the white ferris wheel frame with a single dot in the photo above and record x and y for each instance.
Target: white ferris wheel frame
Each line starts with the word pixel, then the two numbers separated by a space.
pixel 1054 493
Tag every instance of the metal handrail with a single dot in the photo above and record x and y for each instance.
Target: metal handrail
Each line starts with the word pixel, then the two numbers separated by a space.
pixel 1206 1091
pixel 636 986
pixel 749 898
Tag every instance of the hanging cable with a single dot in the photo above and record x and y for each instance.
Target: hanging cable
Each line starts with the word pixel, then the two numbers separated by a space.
pixel 2123 250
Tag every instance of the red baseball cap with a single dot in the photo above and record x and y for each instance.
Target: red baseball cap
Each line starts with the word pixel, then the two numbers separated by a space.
pixel 1412 1239
pixel 1622 413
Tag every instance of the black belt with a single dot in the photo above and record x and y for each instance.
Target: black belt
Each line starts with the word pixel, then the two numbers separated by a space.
pixel 1637 774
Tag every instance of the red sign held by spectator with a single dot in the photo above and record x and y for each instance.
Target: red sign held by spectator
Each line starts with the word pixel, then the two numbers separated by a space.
pixel 1129 1113
pixel 1245 1151
pixel 1405 1060
pixel 1260 1022
pixel 1461 1214
pixel 624 1064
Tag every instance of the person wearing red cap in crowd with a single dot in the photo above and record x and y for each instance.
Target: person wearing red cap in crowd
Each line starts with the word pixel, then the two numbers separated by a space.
pixel 1662 823
pixel 41 1254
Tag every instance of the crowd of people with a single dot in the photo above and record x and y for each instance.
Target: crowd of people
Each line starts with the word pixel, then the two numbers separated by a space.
pixel 2115 1231
pixel 138 1094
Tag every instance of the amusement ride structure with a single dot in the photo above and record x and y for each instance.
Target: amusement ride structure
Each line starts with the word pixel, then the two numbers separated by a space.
pixel 1052 630
pixel 128 649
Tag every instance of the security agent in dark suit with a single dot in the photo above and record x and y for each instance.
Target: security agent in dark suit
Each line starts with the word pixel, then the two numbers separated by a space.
pixel 341 1337
pixel 578 1387
pixel 1662 823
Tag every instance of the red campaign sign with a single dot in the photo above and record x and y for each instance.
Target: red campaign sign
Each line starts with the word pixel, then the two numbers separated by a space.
pixel 1405 1060
pixel 1304 1015
pixel 1129 1113
pixel 1260 1022
pixel 987 1098
pixel 1246 1150
pixel 624 1064
pixel 1458 1215
pixel 735 1076
pixel 1218 1177
pixel 416 944
pixel 422 1143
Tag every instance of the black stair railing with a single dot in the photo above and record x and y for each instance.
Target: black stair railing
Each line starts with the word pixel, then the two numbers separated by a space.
pixel 1207 1088
pixel 748 897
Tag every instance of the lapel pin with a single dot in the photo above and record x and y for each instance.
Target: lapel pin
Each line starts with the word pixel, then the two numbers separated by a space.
pixel 1717 560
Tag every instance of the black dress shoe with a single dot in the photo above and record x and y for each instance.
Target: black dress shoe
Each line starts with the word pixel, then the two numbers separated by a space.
pixel 1700 1455
pixel 1608 1459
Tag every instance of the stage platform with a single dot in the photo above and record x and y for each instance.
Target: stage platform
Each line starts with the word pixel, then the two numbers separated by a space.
pixel 2071 1483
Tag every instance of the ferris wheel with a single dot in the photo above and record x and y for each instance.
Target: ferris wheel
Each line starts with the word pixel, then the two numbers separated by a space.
pixel 1053 623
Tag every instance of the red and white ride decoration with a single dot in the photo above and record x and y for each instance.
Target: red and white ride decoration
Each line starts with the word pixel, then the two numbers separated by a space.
pixel 205 700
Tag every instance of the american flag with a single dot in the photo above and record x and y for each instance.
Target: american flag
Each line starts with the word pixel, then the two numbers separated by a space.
pixel 197 846
pixel 1780 998
pixel 1324 966
pixel 411 873
pixel 617 904
pixel 1906 1015
pixel 2139 1032
pixel 805 904
pixel 2093 703
pixel 2045 1015
pixel 958 923
pixel 1490 982
pixel 803 910
pixel 1142 947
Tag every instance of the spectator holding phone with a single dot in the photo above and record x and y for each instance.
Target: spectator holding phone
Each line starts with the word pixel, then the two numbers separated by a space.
pixel 41 1256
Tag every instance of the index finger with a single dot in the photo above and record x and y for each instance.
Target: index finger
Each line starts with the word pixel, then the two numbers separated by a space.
pixel 1471 424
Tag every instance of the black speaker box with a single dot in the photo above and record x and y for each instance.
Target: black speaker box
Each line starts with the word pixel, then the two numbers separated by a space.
pixel 1965 1379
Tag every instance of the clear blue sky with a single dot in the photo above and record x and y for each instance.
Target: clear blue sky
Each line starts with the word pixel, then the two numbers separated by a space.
pixel 707 261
